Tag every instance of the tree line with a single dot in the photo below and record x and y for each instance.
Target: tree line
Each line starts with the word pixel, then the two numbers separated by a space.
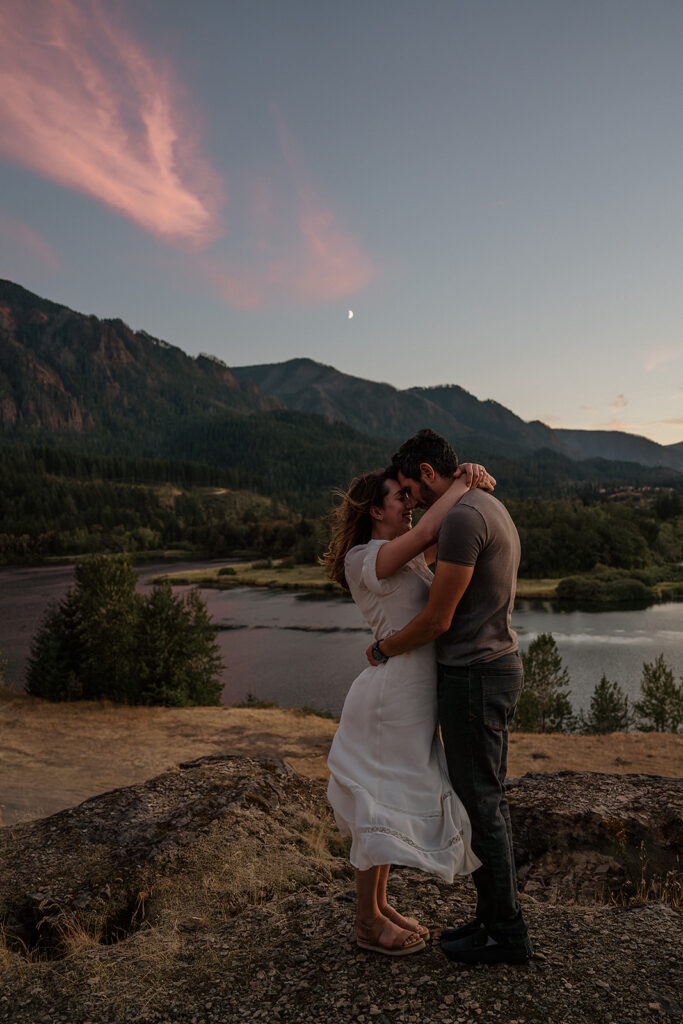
pixel 60 503
pixel 544 704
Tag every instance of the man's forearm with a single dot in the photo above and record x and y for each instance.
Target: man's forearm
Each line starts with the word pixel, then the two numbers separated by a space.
pixel 421 630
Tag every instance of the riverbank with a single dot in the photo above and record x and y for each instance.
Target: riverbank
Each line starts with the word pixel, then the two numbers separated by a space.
pixel 280 574
pixel 56 755
pixel 602 588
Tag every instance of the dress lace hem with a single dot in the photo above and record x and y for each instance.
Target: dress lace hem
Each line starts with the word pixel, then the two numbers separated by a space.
pixel 455 840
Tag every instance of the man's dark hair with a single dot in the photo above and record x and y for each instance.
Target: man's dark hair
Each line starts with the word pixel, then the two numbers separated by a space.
pixel 425 446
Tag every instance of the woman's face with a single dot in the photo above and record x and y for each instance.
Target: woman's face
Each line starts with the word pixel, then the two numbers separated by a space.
pixel 397 509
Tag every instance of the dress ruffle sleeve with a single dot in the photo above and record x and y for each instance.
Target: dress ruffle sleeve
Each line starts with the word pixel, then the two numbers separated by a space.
pixel 369 572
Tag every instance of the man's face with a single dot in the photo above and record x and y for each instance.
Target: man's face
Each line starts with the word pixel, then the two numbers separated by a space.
pixel 424 492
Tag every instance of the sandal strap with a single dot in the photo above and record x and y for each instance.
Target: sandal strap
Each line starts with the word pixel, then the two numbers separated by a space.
pixel 400 941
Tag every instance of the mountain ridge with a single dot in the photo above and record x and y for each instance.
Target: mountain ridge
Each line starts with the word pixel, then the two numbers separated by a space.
pixel 71 376
pixel 309 386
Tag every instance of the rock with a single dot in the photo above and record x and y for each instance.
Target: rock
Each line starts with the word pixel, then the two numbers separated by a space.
pixel 589 833
pixel 126 857
pixel 219 892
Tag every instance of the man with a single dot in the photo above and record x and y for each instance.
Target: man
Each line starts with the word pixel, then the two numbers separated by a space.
pixel 479 681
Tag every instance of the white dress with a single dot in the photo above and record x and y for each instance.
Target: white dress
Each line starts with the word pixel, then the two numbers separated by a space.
pixel 389 786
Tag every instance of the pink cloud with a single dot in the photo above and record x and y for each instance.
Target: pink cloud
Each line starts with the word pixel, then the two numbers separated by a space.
pixel 83 104
pixel 19 236
pixel 299 251
pixel 662 355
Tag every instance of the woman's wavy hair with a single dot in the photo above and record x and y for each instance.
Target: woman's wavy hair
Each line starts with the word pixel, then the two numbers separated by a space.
pixel 351 521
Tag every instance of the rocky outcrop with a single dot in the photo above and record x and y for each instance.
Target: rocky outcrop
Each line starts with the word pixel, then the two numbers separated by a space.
pixel 588 835
pixel 219 891
pixel 127 858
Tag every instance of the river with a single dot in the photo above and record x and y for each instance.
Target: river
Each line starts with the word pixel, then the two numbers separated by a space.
pixel 285 647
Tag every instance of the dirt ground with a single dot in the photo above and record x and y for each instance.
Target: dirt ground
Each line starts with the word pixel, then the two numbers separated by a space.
pixel 54 756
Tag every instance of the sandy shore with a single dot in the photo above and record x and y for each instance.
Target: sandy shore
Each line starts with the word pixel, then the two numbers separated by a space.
pixel 54 756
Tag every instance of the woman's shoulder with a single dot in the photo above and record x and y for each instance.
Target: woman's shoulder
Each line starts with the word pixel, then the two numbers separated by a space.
pixel 359 551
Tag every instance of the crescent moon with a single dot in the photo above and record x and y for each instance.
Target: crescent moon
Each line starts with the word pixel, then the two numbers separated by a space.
pixel 350 314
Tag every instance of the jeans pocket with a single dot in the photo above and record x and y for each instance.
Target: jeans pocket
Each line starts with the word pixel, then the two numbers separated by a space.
pixel 500 694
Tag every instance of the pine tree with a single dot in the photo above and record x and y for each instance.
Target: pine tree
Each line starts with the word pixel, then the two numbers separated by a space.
pixel 544 704
pixel 179 660
pixel 609 710
pixel 54 666
pixel 661 707
pixel 109 610
pixel 104 640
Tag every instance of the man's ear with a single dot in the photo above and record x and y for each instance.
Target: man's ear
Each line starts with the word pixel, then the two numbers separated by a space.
pixel 427 473
pixel 377 512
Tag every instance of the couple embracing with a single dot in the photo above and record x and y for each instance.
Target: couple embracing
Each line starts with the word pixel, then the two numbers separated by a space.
pixel 404 796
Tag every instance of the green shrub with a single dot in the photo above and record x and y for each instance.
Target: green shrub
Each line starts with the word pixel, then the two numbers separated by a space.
pixel 660 708
pixel 227 570
pixel 255 702
pixel 106 641
pixel 605 589
pixel 308 709
pixel 544 705
pixel 609 710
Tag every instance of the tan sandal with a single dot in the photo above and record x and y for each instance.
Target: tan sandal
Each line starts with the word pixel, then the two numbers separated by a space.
pixel 413 925
pixel 397 948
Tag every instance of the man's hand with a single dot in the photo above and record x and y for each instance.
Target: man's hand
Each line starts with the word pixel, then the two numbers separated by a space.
pixel 368 655
pixel 475 476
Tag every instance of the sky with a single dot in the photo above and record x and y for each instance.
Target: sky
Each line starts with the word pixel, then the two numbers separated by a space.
pixel 494 188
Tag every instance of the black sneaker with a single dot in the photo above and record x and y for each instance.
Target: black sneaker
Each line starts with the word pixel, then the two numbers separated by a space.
pixel 481 948
pixel 452 934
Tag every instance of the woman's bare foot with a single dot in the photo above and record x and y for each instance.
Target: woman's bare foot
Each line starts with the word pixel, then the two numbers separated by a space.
pixel 404 922
pixel 385 935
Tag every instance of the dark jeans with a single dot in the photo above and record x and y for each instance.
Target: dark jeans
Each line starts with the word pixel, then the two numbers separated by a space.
pixel 476 703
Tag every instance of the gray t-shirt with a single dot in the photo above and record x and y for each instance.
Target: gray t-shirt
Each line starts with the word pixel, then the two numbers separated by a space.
pixel 478 531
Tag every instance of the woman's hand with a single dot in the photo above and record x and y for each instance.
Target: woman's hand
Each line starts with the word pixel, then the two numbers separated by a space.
pixel 475 476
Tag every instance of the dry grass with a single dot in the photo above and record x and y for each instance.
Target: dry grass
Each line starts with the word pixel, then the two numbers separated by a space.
pixel 56 755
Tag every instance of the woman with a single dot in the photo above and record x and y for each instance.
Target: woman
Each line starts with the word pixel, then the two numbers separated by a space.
pixel 389 786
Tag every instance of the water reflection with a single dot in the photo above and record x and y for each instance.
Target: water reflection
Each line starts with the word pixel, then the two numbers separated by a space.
pixel 286 647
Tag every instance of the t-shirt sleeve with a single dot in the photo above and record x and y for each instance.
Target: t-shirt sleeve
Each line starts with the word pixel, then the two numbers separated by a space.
pixel 462 536
pixel 369 572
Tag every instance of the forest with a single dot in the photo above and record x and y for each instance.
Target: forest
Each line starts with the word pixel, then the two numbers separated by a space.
pixel 59 503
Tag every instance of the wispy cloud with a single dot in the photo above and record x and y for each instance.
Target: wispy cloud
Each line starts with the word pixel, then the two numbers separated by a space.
pixel 299 251
pixel 84 105
pixel 20 238
pixel 615 424
pixel 661 355
pixel 620 402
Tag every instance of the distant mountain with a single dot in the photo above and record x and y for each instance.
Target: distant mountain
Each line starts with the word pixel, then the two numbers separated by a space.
pixel 386 411
pixel 618 446
pixel 77 381
pixel 377 409
pixel 469 424
pixel 64 372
